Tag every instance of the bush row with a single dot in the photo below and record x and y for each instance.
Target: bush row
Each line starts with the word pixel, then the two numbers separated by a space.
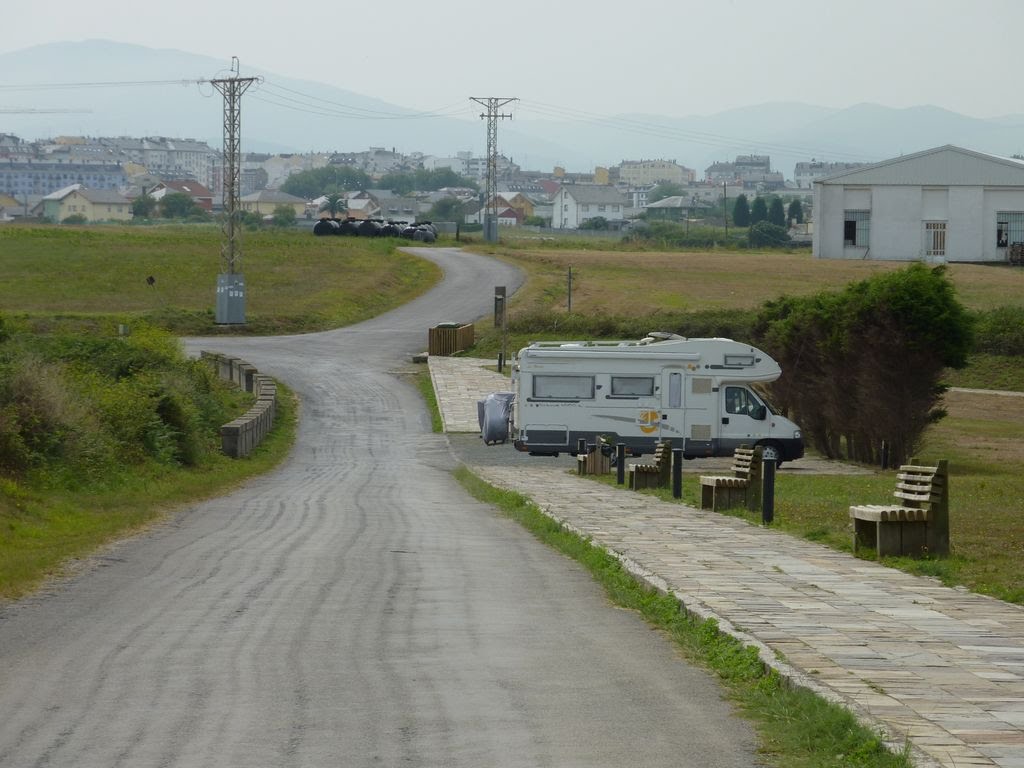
pixel 79 405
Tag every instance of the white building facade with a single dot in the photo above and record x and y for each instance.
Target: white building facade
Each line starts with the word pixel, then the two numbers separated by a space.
pixel 575 204
pixel 943 204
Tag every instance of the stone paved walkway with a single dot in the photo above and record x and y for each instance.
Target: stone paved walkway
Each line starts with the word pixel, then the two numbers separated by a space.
pixel 940 668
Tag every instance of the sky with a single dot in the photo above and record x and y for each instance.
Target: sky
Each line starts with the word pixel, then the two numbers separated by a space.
pixel 578 57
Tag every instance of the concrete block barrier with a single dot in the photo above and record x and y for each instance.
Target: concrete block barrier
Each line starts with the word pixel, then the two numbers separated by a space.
pixel 241 436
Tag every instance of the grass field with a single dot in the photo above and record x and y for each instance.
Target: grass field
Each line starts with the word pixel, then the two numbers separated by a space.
pixel 624 283
pixel 295 282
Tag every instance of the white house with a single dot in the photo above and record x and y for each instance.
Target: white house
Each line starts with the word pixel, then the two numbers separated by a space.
pixel 576 203
pixel 943 204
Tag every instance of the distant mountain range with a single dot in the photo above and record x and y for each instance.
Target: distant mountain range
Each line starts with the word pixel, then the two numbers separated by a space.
pixel 154 98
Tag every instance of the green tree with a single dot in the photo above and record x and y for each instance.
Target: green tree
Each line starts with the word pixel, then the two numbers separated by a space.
pixel 665 189
pixel 866 363
pixel 777 212
pixel 796 212
pixel 758 210
pixel 404 183
pixel 597 223
pixel 75 218
pixel 250 219
pixel 446 209
pixel 143 207
pixel 326 180
pixel 741 211
pixel 284 216
pixel 334 205
pixel 178 205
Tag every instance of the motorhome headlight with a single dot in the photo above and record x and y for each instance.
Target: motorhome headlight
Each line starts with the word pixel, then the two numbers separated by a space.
pixel 797 434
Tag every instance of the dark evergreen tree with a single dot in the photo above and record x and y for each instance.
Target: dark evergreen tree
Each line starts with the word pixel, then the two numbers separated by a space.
pixel 741 212
pixel 777 213
pixel 796 212
pixel 758 211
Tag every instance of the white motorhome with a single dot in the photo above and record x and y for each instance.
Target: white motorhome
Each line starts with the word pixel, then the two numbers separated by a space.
pixel 696 392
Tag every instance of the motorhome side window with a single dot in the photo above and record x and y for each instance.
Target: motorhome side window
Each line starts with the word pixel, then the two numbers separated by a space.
pixel 632 386
pixel 739 400
pixel 546 387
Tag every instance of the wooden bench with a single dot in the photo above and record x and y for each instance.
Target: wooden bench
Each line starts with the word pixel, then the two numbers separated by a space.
pixel 917 524
pixel 595 461
pixel 653 475
pixel 741 488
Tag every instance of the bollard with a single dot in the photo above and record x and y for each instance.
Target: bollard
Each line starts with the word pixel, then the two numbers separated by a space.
pixel 620 463
pixel 768 495
pixel 677 473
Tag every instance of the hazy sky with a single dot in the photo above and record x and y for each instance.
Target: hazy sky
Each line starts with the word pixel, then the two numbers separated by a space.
pixel 672 57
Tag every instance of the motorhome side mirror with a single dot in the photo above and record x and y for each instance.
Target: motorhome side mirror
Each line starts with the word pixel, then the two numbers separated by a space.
pixel 760 413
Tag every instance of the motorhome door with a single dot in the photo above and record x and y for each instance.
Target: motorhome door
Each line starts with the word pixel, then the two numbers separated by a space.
pixel 744 418
pixel 671 416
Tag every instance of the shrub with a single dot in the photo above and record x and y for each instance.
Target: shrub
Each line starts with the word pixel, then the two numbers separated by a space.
pixel 865 363
pixel 1000 331
pixel 77 407
pixel 766 235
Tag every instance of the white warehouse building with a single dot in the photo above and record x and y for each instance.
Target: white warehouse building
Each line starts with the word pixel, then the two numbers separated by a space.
pixel 943 204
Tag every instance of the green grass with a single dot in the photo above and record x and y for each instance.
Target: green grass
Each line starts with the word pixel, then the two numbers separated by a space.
pixel 797 729
pixel 425 387
pixel 989 372
pixel 295 282
pixel 43 532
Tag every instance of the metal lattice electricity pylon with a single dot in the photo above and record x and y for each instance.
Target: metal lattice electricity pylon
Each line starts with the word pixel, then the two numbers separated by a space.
pixel 492 104
pixel 232 89
pixel 231 286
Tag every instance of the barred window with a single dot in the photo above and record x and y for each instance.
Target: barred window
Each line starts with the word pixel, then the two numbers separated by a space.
pixel 856 227
pixel 1009 228
pixel 935 238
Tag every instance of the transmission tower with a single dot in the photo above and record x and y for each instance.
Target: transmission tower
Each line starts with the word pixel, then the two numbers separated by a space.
pixel 231 286
pixel 492 105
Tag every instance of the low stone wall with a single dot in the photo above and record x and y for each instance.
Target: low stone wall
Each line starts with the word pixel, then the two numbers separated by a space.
pixel 238 438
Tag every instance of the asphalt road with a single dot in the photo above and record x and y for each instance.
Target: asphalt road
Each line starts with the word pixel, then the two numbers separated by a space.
pixel 354 607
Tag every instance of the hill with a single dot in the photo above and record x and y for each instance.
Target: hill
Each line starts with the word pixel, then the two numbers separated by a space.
pixel 137 91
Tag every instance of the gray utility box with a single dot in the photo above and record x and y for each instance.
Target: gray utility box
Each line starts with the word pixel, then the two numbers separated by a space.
pixel 230 299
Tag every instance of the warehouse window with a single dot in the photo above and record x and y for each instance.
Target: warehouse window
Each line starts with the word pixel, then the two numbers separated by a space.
pixel 856 227
pixel 1009 228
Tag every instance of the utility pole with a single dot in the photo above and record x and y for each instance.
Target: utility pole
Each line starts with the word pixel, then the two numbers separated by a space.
pixel 231 283
pixel 492 104
pixel 725 207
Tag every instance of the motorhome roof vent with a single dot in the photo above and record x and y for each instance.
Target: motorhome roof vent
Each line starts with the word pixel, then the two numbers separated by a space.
pixel 654 336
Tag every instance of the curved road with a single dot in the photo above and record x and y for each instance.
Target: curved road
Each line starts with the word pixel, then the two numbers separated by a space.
pixel 354 607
